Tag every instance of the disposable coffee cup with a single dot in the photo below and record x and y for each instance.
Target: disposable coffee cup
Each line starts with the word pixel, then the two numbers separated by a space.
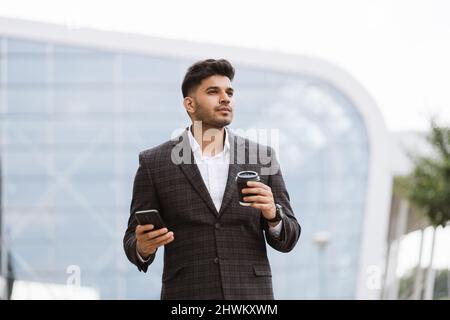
pixel 241 180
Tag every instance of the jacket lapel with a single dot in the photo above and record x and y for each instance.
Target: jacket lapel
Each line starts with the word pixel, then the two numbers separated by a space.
pixel 234 167
pixel 192 173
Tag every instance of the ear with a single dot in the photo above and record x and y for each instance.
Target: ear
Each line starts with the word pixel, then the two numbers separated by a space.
pixel 189 105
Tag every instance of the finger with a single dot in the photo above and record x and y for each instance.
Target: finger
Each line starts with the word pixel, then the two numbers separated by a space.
pixel 261 206
pixel 258 185
pixel 165 242
pixel 156 233
pixel 258 199
pixel 168 240
pixel 260 191
pixel 158 241
pixel 143 228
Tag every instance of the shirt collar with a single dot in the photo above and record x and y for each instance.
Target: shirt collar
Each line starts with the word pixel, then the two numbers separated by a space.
pixel 196 147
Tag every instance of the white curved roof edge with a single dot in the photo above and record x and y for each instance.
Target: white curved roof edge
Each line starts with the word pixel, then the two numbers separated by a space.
pixel 376 216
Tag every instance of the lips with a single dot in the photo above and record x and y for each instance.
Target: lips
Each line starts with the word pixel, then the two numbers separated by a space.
pixel 225 109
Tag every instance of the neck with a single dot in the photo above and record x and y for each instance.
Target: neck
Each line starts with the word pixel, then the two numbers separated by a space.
pixel 211 139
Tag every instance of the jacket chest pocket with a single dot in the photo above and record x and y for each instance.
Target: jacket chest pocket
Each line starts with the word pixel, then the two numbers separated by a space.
pixel 262 271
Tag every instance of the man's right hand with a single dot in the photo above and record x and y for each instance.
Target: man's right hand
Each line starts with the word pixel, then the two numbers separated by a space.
pixel 148 242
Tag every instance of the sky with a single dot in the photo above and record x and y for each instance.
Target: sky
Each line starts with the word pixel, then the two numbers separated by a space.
pixel 397 49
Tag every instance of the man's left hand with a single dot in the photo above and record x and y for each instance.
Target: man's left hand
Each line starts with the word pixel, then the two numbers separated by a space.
pixel 262 198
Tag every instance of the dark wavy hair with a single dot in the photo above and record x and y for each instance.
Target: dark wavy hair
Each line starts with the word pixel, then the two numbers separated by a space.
pixel 205 69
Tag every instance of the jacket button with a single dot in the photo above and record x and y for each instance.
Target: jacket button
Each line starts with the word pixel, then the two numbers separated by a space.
pixel 217 226
pixel 216 260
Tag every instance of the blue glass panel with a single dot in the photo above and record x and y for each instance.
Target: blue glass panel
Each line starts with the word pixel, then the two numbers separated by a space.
pixel 23 100
pixel 145 69
pixel 16 46
pixel 84 68
pixel 27 70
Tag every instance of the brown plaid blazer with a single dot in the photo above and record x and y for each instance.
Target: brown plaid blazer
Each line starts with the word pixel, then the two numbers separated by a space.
pixel 215 255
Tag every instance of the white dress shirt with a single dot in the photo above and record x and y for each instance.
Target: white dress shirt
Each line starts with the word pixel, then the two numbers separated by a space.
pixel 214 172
pixel 213 169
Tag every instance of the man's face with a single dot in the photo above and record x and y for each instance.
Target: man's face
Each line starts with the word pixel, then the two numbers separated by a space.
pixel 212 102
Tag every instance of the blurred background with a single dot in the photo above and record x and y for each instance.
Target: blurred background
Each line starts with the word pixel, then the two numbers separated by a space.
pixel 357 89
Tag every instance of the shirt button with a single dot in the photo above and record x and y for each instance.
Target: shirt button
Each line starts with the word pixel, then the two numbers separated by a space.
pixel 217 225
pixel 216 260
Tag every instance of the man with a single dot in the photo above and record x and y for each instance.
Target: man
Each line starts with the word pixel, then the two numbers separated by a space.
pixel 214 247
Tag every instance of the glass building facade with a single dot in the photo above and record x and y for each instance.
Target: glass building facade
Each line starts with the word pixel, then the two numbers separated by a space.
pixel 73 120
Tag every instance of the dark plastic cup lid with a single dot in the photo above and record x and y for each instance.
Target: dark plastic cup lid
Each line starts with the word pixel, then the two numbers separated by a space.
pixel 247 174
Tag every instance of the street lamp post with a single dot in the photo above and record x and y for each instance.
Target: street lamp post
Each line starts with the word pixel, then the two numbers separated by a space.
pixel 321 239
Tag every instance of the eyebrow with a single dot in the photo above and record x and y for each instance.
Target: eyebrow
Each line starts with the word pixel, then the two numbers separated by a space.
pixel 216 88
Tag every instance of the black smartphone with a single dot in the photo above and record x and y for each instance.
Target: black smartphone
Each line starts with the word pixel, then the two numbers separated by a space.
pixel 150 217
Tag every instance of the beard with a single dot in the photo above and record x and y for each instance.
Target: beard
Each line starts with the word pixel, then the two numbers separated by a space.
pixel 211 119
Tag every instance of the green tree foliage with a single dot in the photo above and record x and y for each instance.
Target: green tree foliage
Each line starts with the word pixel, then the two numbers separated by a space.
pixel 441 288
pixel 428 186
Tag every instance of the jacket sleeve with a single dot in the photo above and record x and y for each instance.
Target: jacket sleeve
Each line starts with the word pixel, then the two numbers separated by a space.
pixel 290 231
pixel 144 198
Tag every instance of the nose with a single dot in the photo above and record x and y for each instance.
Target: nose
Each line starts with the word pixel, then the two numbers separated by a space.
pixel 224 98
